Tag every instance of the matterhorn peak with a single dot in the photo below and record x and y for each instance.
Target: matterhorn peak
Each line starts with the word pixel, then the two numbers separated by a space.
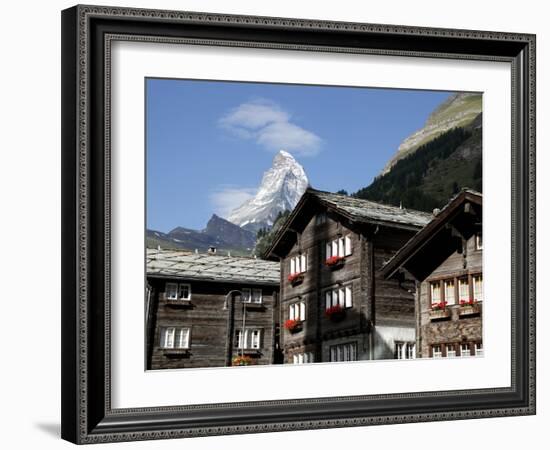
pixel 281 188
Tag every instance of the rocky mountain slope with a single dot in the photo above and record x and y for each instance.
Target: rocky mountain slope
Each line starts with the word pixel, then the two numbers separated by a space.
pixel 224 235
pixel 281 188
pixel 459 110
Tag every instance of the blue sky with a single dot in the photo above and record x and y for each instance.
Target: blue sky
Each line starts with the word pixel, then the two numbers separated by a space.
pixel 208 143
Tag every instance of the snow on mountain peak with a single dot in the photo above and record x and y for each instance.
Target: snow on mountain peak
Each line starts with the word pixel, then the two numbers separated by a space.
pixel 281 188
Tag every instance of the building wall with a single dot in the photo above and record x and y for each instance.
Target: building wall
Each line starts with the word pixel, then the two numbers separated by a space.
pixel 208 323
pixel 458 327
pixel 374 300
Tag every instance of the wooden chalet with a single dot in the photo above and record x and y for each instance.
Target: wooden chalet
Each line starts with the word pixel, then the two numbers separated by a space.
pixel 209 310
pixel 445 258
pixel 335 305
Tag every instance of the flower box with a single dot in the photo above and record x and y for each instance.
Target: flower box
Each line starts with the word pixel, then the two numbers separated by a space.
pixel 293 325
pixel 469 308
pixel 242 360
pixel 295 278
pixel 335 262
pixel 335 313
pixel 439 311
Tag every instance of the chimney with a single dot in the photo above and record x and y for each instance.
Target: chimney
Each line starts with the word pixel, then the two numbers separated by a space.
pixel 211 250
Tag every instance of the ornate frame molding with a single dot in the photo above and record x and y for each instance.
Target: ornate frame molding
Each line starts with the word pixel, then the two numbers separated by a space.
pixel 88 32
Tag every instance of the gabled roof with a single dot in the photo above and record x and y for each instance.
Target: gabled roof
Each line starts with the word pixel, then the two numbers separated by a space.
pixel 354 209
pixel 200 266
pixel 437 240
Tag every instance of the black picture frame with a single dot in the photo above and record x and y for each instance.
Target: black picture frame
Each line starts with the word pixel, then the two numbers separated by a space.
pixel 87 416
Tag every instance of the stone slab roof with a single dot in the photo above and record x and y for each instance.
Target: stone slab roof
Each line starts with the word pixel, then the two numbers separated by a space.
pixel 371 211
pixel 201 266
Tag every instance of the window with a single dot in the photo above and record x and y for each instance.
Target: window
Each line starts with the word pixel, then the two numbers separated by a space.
pixel 174 337
pixel 479 349
pixel 303 358
pixel 298 264
pixel 405 350
pixel 463 289
pixel 343 352
pixel 465 350
pixel 339 296
pixel 251 295
pixel 436 291
pixel 479 241
pixel 176 291
pixel 436 351
pixel 250 340
pixel 478 288
pixel 321 218
pixel 338 247
pixel 297 311
pixel 450 292
pixel 451 351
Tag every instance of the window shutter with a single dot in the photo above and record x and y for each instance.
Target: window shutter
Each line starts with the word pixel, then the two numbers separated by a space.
pixel 328 299
pixel 341 250
pixel 162 339
pixel 301 358
pixel 347 246
pixel 291 312
pixel 348 297
pixel 303 263
pixel 302 311
pixel 170 337
pixel 342 297
pixel 328 252
pixel 294 359
pixel 334 248
pixel 292 266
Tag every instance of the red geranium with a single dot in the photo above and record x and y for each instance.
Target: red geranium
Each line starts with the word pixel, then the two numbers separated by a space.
pixel 468 302
pixel 333 260
pixel 333 311
pixel 295 277
pixel 293 325
pixel 439 305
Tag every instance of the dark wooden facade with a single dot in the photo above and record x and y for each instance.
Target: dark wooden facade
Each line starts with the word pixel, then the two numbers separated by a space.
pixel 446 258
pixel 370 316
pixel 206 321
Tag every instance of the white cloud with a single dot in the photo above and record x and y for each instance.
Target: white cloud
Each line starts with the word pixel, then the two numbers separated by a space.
pixel 226 198
pixel 270 126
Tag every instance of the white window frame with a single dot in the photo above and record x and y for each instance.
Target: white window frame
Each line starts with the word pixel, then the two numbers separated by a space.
pixel 477 281
pixel 252 338
pixel 298 264
pixel 297 311
pixel 463 282
pixel 439 353
pixel 341 246
pixel 463 348
pixel 449 287
pixel 450 348
pixel 478 348
pixel 173 290
pixel 343 352
pixel 411 350
pixel 175 337
pixel 340 295
pixel 433 286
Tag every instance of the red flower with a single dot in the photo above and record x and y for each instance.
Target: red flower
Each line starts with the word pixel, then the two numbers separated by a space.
pixel 333 310
pixel 333 260
pixel 293 277
pixel 439 305
pixel 244 360
pixel 292 325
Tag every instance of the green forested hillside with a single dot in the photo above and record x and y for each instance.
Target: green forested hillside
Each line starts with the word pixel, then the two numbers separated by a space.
pixel 427 178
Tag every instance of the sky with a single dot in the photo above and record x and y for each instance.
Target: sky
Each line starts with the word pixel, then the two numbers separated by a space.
pixel 208 143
